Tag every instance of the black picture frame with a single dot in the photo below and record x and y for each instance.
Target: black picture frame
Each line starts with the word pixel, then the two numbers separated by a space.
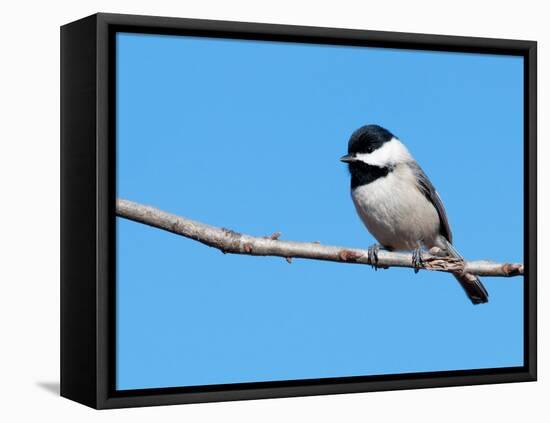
pixel 88 210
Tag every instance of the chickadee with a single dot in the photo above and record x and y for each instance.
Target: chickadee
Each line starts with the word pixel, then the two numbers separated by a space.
pixel 397 202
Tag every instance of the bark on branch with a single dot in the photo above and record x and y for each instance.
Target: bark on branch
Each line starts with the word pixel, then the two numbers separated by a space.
pixel 229 241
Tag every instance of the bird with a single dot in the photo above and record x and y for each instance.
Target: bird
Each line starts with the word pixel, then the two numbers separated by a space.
pixel 398 204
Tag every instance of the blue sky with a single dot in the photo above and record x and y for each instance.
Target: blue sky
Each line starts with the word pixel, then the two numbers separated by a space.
pixel 247 135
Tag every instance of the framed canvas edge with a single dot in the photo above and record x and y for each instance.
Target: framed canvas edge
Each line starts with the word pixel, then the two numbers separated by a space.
pixel 145 400
pixel 104 337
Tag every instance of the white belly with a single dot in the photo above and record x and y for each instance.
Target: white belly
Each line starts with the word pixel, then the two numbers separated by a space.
pixel 396 213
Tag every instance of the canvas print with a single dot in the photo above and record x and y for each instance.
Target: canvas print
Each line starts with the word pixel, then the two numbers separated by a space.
pixel 297 211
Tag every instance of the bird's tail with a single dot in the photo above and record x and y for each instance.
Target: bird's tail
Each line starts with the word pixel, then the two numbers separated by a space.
pixel 470 283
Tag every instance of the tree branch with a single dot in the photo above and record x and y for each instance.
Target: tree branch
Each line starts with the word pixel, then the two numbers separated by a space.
pixel 229 241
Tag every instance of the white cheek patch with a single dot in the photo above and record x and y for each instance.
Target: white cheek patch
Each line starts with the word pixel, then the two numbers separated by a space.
pixel 391 153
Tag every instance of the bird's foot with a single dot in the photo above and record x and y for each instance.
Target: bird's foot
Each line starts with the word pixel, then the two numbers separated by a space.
pixel 372 255
pixel 417 261
pixel 438 252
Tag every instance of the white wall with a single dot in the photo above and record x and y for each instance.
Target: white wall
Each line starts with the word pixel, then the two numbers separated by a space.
pixel 29 170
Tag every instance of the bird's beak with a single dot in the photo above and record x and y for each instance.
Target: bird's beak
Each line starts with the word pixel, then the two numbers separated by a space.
pixel 348 158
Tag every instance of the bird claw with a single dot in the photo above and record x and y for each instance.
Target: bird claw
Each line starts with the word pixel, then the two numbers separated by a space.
pixel 372 255
pixel 417 261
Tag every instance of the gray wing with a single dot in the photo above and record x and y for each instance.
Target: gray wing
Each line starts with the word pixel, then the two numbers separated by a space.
pixel 431 194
